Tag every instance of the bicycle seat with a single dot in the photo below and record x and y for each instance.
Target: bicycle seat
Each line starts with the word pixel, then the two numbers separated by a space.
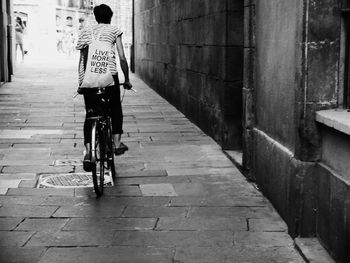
pixel 99 91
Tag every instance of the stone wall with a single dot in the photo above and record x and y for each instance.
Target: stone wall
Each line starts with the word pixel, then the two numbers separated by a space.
pixel 191 52
pixel 293 68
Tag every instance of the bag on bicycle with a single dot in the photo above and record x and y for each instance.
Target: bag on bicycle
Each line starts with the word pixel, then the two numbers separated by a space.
pixel 97 73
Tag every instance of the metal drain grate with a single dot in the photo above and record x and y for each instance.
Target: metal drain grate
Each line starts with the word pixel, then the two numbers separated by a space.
pixel 71 180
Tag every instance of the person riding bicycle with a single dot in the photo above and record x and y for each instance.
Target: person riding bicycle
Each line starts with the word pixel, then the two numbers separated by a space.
pixel 112 36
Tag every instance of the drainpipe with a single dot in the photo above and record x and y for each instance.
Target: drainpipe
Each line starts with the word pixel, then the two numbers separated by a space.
pixel 132 49
pixel 10 38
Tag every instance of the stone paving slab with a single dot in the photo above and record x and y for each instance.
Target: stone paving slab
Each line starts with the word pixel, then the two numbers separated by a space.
pixel 170 239
pixel 108 255
pixel 158 211
pixel 242 212
pixel 26 211
pixel 89 211
pixel 237 254
pixel 8 223
pixel 97 224
pixel 70 238
pixel 9 183
pixel 17 176
pixel 217 223
pixel 21 200
pixel 247 201
pixel 14 238
pixel 157 190
pixel 267 225
pixel 41 192
pixel 40 224
pixel 21 254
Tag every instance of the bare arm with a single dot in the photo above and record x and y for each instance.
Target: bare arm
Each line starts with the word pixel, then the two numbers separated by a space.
pixel 123 63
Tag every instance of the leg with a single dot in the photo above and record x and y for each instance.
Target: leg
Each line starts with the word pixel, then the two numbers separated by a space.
pixel 117 116
pixel 22 51
pixel 89 104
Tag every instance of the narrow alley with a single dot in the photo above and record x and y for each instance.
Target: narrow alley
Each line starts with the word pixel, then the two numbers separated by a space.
pixel 177 198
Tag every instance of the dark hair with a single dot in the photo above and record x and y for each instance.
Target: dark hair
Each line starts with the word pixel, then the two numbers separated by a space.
pixel 103 14
pixel 19 21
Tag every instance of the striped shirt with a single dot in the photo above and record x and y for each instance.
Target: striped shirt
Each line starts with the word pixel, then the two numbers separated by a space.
pixel 108 33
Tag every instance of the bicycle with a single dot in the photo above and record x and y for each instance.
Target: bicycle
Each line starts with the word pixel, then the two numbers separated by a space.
pixel 101 150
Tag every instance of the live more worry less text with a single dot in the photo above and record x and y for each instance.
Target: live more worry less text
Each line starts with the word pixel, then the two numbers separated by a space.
pixel 99 62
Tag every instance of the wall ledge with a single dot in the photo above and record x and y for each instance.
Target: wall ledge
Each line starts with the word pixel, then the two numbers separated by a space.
pixel 338 119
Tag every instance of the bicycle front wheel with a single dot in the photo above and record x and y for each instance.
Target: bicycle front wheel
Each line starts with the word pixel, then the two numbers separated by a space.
pixel 98 153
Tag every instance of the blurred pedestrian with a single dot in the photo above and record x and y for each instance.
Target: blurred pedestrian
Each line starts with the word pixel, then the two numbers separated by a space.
pixel 81 23
pixel 19 28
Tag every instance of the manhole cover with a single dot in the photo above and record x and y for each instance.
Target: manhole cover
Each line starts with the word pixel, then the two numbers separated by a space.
pixel 71 180
pixel 67 162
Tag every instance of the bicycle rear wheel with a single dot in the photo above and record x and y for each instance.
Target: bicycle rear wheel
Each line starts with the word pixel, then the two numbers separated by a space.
pixel 98 155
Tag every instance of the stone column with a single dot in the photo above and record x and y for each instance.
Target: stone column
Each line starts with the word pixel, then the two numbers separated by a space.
pixel 11 37
pixel 248 85
pixel 4 73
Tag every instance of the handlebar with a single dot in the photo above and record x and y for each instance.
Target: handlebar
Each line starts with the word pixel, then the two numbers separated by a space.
pixel 97 90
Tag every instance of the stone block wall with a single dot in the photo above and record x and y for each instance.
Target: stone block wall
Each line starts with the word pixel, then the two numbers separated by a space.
pixel 293 68
pixel 191 52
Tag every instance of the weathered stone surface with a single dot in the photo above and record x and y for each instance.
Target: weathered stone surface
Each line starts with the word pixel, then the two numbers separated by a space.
pixel 27 184
pixel 242 212
pixel 70 238
pixel 14 238
pixel 39 224
pixel 157 190
pixel 9 183
pixel 174 238
pixel 214 201
pixel 263 239
pixel 20 200
pixel 237 254
pixel 26 211
pixel 21 254
pixel 40 192
pixel 155 212
pixel 267 225
pixel 217 223
pixel 120 190
pixel 97 224
pixel 9 223
pixel 89 211
pixel 108 255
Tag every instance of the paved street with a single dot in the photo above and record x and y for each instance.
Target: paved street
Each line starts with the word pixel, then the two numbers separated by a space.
pixel 177 198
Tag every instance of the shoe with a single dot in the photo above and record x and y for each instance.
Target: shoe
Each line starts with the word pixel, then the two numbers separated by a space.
pixel 121 149
pixel 87 166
